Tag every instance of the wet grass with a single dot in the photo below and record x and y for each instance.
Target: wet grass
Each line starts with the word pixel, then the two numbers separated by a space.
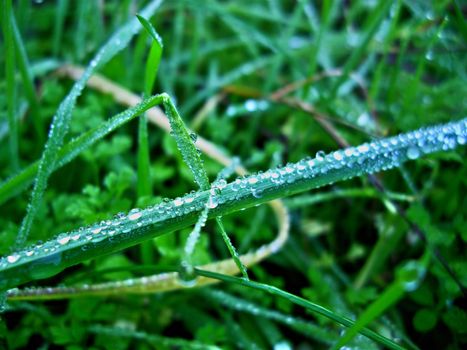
pixel 374 261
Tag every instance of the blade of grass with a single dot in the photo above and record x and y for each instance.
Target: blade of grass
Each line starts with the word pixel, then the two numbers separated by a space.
pixel 28 80
pixel 408 279
pixel 152 65
pixel 191 156
pixel 314 308
pixel 68 152
pixel 7 27
pixel 62 118
pixel 60 15
pixel 374 23
pixel 99 239
pixel 155 340
pixel 299 325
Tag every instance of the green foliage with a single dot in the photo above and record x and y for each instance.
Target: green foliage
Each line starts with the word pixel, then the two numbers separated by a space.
pixel 365 266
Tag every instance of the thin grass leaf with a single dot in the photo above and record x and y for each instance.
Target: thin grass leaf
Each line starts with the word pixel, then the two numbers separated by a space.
pixel 307 200
pixel 8 36
pixel 314 308
pixel 152 66
pixel 72 149
pixel 233 252
pixel 408 279
pixel 60 15
pixel 185 144
pixel 139 225
pixel 28 80
pixel 191 156
pixel 155 340
pixel 62 118
pixel 375 21
pixel 155 54
pixel 299 325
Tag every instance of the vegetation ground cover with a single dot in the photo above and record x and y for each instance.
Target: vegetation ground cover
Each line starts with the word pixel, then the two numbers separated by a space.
pixel 106 201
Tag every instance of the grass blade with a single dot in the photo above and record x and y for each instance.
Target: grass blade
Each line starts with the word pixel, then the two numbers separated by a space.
pixel 191 156
pixel 156 340
pixel 139 225
pixel 28 80
pixel 314 308
pixel 62 118
pixel 10 80
pixel 375 21
pixel 185 144
pixel 62 7
pixel 407 280
pixel 152 65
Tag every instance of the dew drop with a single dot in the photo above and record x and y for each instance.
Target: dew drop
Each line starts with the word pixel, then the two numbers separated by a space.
pixel 64 240
pixel 320 155
pixel 252 180
pixel 134 214
pixel 221 184
pixel 13 258
pixel 186 275
pixel 338 156
pixel 193 137
pixel 178 202
pixel 212 202
pixel 413 153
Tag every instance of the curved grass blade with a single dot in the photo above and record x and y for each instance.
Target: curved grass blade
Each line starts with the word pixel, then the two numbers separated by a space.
pixel 299 325
pixel 62 118
pixel 139 225
pixel 408 278
pixel 314 308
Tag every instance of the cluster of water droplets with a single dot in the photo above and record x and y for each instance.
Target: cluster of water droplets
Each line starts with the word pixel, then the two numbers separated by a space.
pixel 120 224
pixel 323 169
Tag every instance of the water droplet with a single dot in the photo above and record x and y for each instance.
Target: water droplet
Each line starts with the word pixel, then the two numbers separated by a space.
pixel 134 214
pixel 413 152
pixel 429 55
pixel 193 137
pixel 363 148
pixel 282 345
pixel 186 275
pixel 320 155
pixel 96 230
pixel 338 156
pixel 63 240
pixel 250 105
pixel 221 184
pixel 178 202
pixel 212 202
pixel 252 180
pixel 257 193
pixel 13 258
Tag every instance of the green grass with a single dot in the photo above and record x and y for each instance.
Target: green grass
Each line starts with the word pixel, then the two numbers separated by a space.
pixel 107 237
